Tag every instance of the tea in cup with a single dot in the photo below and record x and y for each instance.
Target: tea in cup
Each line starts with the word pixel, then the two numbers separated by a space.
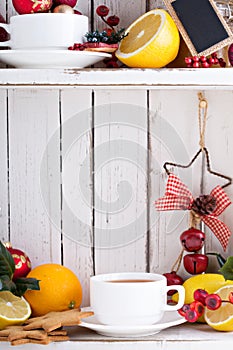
pixel 45 31
pixel 132 298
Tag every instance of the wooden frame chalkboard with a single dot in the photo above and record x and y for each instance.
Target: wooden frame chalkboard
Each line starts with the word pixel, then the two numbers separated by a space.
pixel 201 25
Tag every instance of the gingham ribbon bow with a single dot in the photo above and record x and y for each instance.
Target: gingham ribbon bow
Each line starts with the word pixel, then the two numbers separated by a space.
pixel 178 197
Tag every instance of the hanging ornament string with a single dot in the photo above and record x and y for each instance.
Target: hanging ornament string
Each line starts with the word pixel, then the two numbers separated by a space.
pixel 207 207
pixel 202 118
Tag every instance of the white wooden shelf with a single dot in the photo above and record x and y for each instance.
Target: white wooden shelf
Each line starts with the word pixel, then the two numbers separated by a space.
pixel 183 337
pixel 184 78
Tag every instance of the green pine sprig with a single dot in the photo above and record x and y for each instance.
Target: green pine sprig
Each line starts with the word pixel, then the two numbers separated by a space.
pixel 7 268
pixel 103 37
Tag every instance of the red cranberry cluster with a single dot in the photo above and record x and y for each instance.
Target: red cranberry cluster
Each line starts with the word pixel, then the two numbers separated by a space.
pixel 204 62
pixel 191 312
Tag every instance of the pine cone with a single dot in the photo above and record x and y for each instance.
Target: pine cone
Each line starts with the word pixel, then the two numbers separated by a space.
pixel 204 205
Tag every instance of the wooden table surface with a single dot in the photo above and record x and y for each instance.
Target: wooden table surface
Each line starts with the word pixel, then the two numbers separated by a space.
pixel 182 337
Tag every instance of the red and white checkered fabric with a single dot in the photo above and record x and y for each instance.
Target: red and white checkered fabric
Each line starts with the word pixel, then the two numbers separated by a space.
pixel 178 197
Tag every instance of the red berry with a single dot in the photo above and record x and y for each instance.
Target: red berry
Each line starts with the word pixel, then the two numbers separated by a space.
pixel 200 295
pixel 112 64
pixel 184 309
pixel 196 65
pixel 188 60
pixel 205 65
pixel 211 60
pixel 102 11
pixel 173 279
pixel 230 297
pixel 203 59
pixel 195 263
pixel 198 307
pixel 113 20
pixel 191 316
pixel 192 239
pixel 214 55
pixel 213 301
pixel 195 58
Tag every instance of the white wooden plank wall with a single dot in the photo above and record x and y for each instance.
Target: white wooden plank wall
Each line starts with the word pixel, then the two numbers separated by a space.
pixel 81 168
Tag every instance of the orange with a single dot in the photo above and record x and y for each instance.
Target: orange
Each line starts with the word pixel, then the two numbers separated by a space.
pixel 60 289
pixel 152 41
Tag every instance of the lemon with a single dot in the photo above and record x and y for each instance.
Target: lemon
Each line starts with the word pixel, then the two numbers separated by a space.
pixel 222 318
pixel 152 41
pixel 13 309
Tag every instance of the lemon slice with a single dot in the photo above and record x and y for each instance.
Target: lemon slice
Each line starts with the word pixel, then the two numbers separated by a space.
pixel 222 318
pixel 13 310
pixel 152 41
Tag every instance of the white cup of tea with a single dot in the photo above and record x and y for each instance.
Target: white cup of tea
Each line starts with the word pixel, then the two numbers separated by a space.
pixel 45 31
pixel 132 298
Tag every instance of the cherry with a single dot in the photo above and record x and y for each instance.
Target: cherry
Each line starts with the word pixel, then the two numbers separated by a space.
pixel 213 301
pixel 195 263
pixel 173 279
pixel 230 297
pixel 200 295
pixel 182 311
pixel 192 239
pixel 198 307
pixel 191 316
pixel 102 11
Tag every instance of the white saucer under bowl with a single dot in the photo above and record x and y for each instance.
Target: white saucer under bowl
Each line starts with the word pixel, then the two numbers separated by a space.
pixel 51 58
pixel 170 318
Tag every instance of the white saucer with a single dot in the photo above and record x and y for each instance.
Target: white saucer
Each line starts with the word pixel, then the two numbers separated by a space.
pixel 51 58
pixel 170 318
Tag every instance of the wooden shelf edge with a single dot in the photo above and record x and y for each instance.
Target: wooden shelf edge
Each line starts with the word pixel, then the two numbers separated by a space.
pixel 183 78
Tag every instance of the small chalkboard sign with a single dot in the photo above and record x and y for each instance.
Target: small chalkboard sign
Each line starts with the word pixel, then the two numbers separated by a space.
pixel 201 25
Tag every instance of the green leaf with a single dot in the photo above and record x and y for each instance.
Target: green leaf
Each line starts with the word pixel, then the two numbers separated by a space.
pixel 23 284
pixel 7 284
pixel 227 269
pixel 7 265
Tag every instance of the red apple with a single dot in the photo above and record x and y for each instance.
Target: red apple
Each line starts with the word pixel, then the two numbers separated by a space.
pixel 195 263
pixel 32 6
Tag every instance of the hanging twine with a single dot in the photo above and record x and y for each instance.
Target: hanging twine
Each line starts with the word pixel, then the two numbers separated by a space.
pixel 194 219
pixel 202 118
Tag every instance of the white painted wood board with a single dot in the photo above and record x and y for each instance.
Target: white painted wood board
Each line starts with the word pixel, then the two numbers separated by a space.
pixel 3 168
pixel 120 182
pixel 34 225
pixel 76 136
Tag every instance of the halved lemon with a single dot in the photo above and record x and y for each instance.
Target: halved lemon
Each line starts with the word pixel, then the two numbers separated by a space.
pixel 152 41
pixel 13 309
pixel 222 318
